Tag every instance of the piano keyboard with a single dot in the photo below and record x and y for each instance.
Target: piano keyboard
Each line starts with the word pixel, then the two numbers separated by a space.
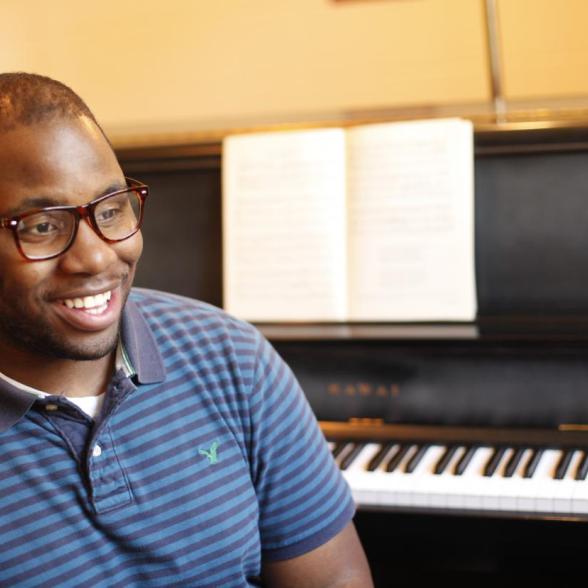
pixel 508 479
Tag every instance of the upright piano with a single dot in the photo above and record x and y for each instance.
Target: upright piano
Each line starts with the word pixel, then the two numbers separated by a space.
pixel 465 445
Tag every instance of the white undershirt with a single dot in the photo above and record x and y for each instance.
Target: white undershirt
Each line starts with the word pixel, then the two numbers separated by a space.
pixel 91 405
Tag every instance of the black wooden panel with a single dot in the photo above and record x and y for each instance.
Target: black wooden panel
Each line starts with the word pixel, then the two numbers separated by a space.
pixel 532 233
pixel 410 548
pixel 182 233
pixel 474 383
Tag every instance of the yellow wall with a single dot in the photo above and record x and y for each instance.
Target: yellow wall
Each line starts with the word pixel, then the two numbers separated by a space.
pixel 157 64
pixel 545 47
pixel 145 61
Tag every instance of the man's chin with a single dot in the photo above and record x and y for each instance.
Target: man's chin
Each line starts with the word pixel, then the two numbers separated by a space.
pixel 86 348
pixel 81 353
pixel 46 343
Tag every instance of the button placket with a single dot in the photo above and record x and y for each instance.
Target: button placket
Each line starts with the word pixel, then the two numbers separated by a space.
pixel 110 488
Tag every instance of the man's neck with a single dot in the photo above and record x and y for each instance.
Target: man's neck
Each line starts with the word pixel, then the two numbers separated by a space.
pixel 60 376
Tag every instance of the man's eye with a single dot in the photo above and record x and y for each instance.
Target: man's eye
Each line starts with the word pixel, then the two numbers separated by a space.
pixel 36 228
pixel 44 228
pixel 108 214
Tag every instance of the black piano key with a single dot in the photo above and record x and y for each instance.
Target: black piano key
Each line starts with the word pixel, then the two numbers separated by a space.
pixel 348 459
pixel 532 463
pixel 494 461
pixel 376 461
pixel 563 464
pixel 416 458
pixel 513 462
pixel 339 447
pixel 396 457
pixel 464 460
pixel 444 460
pixel 582 470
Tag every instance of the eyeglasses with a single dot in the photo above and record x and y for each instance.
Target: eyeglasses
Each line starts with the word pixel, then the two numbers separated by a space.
pixel 45 233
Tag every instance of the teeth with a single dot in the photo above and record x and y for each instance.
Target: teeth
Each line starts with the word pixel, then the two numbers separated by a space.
pixel 93 304
pixel 97 310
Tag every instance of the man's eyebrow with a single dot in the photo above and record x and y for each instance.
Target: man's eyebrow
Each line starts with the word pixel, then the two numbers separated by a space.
pixel 115 187
pixel 34 202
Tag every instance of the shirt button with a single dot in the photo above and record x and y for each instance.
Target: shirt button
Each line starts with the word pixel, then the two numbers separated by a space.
pixel 51 407
pixel 97 451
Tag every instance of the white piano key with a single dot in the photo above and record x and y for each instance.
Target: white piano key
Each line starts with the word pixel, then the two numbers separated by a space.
pixel 373 485
pixel 359 479
pixel 496 485
pixel 363 458
pixel 580 498
pixel 527 494
pixel 515 486
pixel 520 487
pixel 563 490
pixel 580 494
pixel 401 481
pixel 421 479
pixel 542 489
pixel 471 486
pixel 446 488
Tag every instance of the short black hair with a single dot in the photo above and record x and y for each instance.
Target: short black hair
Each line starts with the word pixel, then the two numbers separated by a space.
pixel 27 99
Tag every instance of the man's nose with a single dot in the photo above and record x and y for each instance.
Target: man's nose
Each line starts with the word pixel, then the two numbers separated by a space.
pixel 88 254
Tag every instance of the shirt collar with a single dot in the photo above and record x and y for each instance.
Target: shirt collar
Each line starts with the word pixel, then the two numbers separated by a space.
pixel 14 404
pixel 140 346
pixel 141 353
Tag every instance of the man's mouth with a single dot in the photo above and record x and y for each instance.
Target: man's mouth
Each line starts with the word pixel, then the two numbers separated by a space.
pixel 95 304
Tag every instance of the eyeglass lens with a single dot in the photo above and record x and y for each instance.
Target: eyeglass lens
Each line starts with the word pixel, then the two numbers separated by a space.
pixel 49 232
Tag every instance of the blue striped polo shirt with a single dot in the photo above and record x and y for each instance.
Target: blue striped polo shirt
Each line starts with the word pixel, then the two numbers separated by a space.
pixel 203 462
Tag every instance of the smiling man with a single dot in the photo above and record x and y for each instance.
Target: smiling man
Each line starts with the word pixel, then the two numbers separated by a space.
pixel 147 439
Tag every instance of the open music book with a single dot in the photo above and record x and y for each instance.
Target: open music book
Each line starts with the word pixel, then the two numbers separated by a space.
pixel 370 223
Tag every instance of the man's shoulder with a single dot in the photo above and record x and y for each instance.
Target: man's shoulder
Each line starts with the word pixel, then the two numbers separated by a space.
pixel 172 311
pixel 147 298
pixel 189 334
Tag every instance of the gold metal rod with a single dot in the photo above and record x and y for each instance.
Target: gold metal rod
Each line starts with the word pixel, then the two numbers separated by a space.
pixel 495 61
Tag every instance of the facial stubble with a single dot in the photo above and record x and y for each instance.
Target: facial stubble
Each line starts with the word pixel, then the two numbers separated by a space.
pixel 39 338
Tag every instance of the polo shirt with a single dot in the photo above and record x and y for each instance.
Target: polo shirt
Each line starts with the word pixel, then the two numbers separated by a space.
pixel 204 461
pixel 91 405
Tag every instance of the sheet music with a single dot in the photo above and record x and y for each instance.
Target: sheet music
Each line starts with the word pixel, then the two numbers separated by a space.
pixel 284 223
pixel 411 226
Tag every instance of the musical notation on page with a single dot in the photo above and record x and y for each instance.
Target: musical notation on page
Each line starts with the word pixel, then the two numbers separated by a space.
pixel 372 223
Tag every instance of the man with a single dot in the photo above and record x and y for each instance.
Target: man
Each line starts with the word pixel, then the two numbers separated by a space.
pixel 146 439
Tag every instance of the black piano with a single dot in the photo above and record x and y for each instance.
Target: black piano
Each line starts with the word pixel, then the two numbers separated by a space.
pixel 465 445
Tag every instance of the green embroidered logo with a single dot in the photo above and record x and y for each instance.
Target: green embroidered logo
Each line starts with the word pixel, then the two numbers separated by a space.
pixel 210 453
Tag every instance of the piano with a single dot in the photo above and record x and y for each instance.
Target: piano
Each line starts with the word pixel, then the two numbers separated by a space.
pixel 465 445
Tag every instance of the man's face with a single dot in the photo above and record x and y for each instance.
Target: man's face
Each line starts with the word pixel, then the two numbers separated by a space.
pixel 65 162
